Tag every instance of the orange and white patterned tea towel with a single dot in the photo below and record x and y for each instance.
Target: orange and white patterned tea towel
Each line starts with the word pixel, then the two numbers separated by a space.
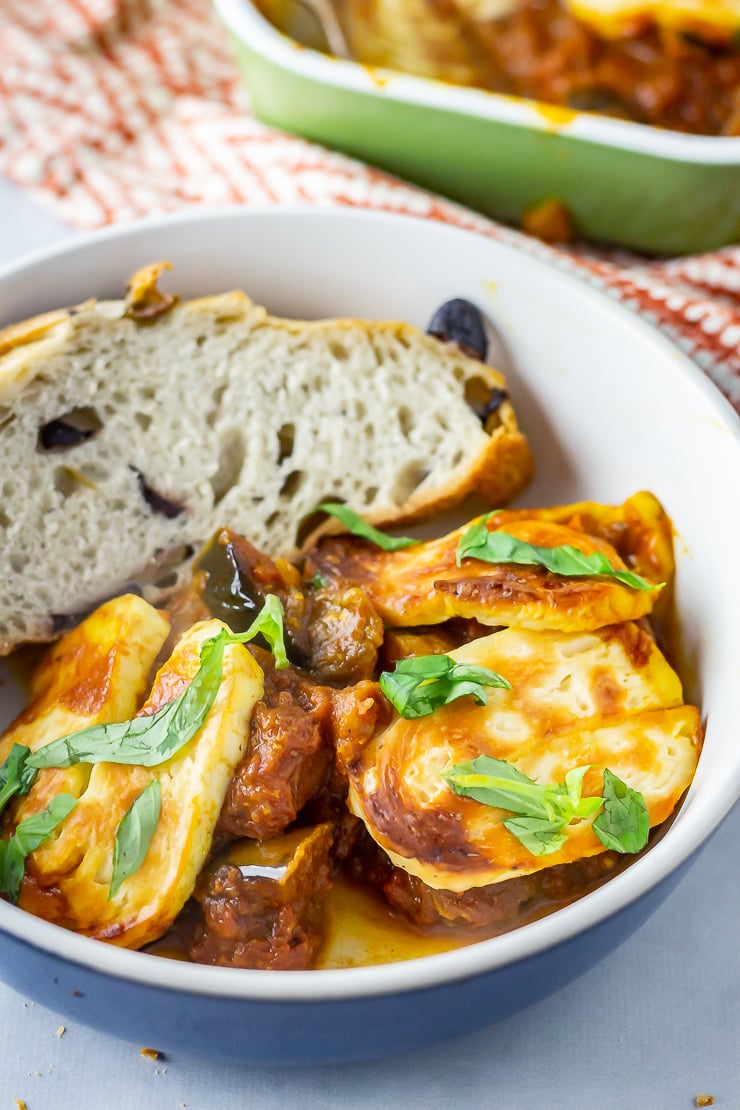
pixel 112 110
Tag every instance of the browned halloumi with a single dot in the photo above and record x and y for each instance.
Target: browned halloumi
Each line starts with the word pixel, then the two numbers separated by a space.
pixel 607 699
pixel 68 878
pixel 95 674
pixel 422 584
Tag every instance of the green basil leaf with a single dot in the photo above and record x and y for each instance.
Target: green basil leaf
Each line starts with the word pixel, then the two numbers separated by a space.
pixel 624 824
pixel 574 784
pixel 150 740
pixel 36 830
pixel 16 777
pixel 269 623
pixel 542 813
pixel 422 684
pixel 28 836
pixel 135 834
pixel 538 835
pixel 12 869
pixel 579 807
pixel 494 782
pixel 354 523
pixel 499 547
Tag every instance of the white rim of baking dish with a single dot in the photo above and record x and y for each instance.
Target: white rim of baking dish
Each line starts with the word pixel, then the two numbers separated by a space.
pixel 248 25
pixel 694 824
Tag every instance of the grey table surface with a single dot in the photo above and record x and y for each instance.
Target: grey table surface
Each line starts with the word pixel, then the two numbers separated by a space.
pixel 655 1024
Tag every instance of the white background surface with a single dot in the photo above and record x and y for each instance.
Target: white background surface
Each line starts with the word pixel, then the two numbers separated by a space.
pixel 654 1025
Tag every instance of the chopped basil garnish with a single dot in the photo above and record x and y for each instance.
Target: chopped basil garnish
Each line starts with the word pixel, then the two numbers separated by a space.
pixel 500 547
pixel 624 823
pixel 422 684
pixel 542 813
pixel 354 523
pixel 269 624
pixel 150 740
pixel 30 835
pixel 16 777
pixel 135 834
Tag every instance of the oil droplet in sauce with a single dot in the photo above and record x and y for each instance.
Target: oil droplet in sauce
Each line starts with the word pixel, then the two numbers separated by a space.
pixel 360 930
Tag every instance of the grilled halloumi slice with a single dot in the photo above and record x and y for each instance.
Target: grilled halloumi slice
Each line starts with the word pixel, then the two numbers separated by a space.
pixel 67 880
pixel 95 674
pixel 716 20
pixel 606 698
pixel 422 584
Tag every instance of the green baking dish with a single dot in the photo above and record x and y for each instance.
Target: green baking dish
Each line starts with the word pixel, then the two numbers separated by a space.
pixel 650 189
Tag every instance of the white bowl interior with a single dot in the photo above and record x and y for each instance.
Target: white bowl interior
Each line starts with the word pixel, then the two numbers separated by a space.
pixel 610 408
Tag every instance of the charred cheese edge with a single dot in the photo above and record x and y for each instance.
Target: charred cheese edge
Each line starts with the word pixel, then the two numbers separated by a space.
pixel 607 698
pixel 67 880
pixel 422 585
pixel 96 674
pixel 717 20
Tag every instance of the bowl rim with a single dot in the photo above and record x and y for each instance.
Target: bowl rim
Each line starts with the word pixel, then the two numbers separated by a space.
pixel 674 849
pixel 248 24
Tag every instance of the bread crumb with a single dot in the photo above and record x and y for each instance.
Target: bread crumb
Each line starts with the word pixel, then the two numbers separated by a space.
pixel 151 1054
pixel 61 1031
pixel 704 1100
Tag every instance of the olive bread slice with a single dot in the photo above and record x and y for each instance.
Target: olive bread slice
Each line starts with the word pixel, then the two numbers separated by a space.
pixel 130 430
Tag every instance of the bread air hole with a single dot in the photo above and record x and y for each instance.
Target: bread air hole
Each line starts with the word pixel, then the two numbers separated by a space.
pixel 67 481
pixel 231 453
pixel 405 419
pixel 411 476
pixel 286 442
pixel 292 483
pixel 338 350
pixel 214 412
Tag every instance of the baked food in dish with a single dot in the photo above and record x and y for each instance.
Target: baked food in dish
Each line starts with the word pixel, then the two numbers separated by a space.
pixel 669 63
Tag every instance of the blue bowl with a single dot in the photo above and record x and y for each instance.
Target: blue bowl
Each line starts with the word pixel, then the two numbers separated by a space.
pixel 324 1030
